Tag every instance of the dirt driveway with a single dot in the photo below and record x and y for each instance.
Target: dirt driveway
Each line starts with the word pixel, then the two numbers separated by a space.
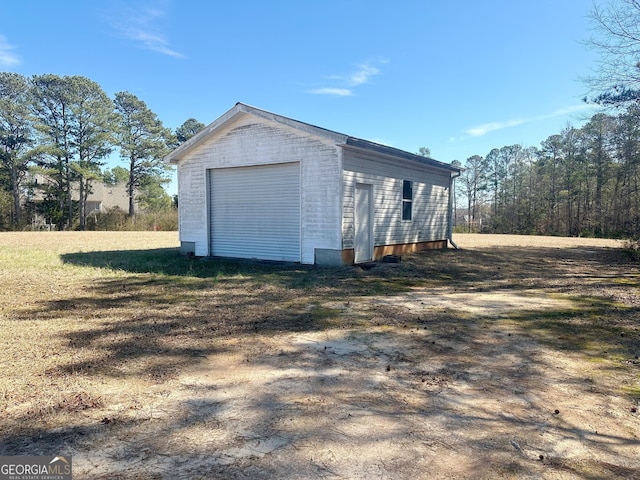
pixel 523 365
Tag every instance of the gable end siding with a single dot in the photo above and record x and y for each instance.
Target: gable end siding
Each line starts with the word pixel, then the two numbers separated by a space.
pixel 253 141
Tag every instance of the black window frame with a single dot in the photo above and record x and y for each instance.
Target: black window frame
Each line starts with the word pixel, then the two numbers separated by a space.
pixel 407 200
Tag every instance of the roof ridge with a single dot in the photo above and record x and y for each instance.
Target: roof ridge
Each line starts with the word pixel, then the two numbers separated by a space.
pixel 341 139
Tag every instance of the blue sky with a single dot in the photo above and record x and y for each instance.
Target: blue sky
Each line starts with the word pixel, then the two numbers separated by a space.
pixel 458 77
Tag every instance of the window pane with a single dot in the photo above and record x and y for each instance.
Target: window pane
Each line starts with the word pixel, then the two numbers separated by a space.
pixel 407 190
pixel 406 210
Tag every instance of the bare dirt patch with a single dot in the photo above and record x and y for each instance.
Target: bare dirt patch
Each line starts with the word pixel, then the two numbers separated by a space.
pixel 514 357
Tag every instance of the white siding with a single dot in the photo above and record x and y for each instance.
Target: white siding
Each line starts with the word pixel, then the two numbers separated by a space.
pixel 256 141
pixel 192 206
pixel 430 199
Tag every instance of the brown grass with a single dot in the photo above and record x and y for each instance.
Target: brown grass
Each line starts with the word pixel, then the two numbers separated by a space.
pixel 102 330
pixel 472 240
pixel 41 307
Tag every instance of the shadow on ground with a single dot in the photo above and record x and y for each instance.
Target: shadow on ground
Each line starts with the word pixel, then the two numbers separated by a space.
pixel 394 392
pixel 159 305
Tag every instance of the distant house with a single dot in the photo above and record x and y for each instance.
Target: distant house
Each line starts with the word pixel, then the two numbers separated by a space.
pixel 102 197
pixel 254 184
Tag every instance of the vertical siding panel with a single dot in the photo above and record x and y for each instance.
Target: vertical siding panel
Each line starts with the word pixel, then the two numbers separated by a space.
pixel 192 199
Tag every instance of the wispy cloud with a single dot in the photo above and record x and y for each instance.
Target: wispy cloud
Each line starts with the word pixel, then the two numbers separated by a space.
pixel 363 74
pixel 141 26
pixel 7 57
pixel 336 92
pixel 339 92
pixel 485 128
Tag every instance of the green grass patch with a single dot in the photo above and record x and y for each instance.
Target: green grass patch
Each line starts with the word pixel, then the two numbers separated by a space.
pixel 633 391
pixel 601 328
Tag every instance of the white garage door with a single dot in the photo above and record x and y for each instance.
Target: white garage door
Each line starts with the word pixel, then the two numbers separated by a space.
pixel 255 212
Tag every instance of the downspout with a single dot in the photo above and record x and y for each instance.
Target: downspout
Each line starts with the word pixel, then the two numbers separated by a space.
pixel 450 222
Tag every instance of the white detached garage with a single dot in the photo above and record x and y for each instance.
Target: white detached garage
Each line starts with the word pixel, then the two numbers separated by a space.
pixel 258 185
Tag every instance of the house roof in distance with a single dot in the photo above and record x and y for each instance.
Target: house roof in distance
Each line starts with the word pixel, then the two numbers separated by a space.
pixel 340 138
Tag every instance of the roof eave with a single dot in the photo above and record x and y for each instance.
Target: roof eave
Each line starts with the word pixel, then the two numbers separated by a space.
pixel 395 153
pixel 175 156
pixel 240 109
pixel 340 139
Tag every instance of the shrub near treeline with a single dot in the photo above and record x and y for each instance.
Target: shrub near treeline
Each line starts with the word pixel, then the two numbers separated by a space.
pixel 117 219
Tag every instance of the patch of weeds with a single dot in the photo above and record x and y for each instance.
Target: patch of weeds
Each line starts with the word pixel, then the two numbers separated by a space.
pixel 371 285
pixel 631 281
pixel 595 328
pixel 80 401
pixel 604 356
pixel 632 390
pixel 324 316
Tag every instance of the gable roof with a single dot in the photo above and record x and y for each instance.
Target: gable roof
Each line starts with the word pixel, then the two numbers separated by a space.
pixel 340 138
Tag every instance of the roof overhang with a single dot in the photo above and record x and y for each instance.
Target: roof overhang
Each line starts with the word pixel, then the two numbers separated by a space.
pixel 239 110
pixel 199 138
pixel 341 140
pixel 392 153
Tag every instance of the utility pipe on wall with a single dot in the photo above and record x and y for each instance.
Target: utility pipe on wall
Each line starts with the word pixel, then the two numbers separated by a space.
pixel 450 222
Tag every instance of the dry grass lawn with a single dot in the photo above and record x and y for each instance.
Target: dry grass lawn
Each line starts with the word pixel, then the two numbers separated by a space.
pixel 513 357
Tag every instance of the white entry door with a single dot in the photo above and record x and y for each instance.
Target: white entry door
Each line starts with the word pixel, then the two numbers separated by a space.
pixel 363 242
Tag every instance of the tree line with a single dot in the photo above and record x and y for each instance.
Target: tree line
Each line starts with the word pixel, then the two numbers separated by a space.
pixel 581 181
pixel 64 128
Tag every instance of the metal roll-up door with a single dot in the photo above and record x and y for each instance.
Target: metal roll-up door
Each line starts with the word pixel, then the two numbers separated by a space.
pixel 255 212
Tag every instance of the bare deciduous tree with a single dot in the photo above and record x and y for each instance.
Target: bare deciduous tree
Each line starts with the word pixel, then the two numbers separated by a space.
pixel 616 37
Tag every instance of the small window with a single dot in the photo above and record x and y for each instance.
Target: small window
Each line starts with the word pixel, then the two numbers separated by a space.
pixel 407 199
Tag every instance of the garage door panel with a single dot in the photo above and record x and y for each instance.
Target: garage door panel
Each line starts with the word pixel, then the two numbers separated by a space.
pixel 255 212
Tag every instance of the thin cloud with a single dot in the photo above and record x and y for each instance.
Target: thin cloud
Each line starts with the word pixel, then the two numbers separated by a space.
pixel 361 76
pixel 493 126
pixel 140 26
pixel 485 128
pixel 151 41
pixel 338 92
pixel 7 57
pixel 566 111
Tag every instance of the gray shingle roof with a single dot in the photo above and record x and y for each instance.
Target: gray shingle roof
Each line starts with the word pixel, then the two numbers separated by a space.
pixel 340 138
